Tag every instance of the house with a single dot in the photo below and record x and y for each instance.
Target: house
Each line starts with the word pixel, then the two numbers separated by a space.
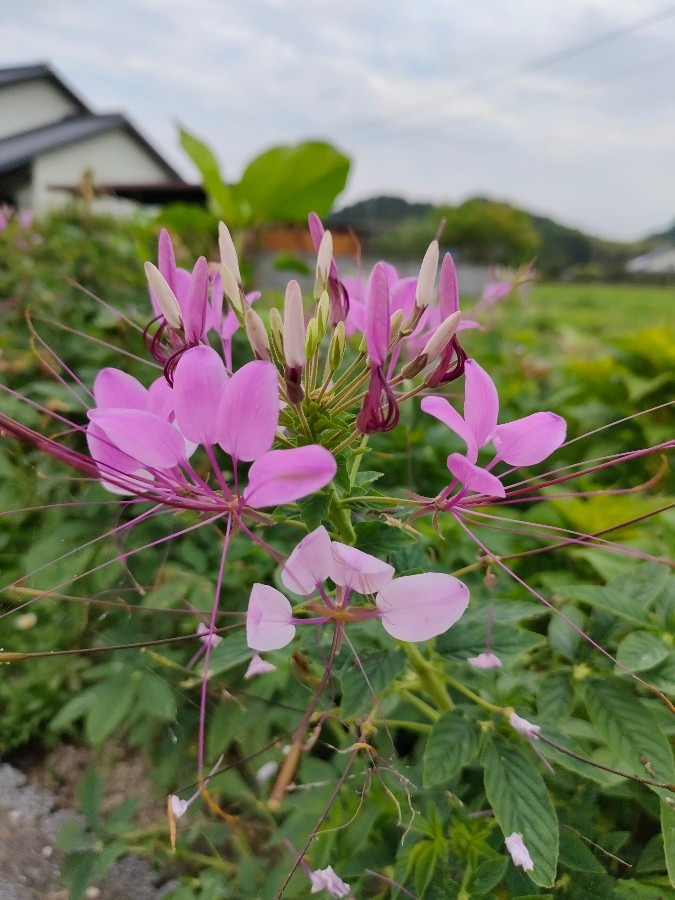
pixel 660 261
pixel 53 146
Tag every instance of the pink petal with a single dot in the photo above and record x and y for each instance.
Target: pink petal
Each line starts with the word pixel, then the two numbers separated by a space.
pixel 268 620
pixel 160 398
pixel 519 852
pixel 110 460
pixel 198 387
pixel 142 435
pixel 166 259
pixel 357 570
pixel 527 441
pixel 114 388
pixel 481 403
pixel 448 292
pixel 196 307
pixel 283 476
pixel 474 478
pixel 530 731
pixel 309 564
pixel 403 295
pixel 485 660
pixel 442 410
pixel 248 414
pixel 259 666
pixel 418 607
pixel 377 315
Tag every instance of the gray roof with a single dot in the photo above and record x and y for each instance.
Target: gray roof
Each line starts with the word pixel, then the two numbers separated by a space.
pixel 20 149
pixel 21 74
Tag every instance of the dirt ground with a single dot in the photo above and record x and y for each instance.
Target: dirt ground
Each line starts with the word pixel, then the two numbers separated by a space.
pixel 33 806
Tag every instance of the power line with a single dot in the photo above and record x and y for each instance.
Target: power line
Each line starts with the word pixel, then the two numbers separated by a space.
pixel 535 65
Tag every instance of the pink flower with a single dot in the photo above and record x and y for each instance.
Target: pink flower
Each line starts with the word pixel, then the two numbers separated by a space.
pixel 485 660
pixel 258 666
pixel 327 880
pixel 411 608
pixel 339 296
pixel 523 442
pixel 530 731
pixel 519 852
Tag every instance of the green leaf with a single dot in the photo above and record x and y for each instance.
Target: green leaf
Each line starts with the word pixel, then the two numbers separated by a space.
pixel 630 730
pixel 575 854
pixel 563 638
pixel 90 796
pixel 114 700
pixel 611 600
pixel 314 509
pixel 363 680
pixel 668 830
pixel 220 194
pixel 469 638
pixel 485 876
pixel 72 837
pixel 378 538
pixel 286 183
pixel 641 651
pixel 517 794
pixel 73 710
pixel 452 744
pixel 555 697
pixel 643 585
pixel 156 698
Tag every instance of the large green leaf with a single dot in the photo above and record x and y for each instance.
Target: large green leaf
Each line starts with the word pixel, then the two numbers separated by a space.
pixel 517 794
pixel 452 744
pixel 364 681
pixel 287 183
pixel 220 194
pixel 668 829
pixel 641 651
pixel 630 730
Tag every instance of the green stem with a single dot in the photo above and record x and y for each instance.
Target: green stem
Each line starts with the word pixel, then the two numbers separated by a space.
pixel 458 686
pixel 340 518
pixel 357 462
pixel 421 727
pixel 421 705
pixel 430 681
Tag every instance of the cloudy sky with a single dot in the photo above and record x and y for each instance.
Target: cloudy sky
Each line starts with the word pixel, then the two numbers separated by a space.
pixel 565 108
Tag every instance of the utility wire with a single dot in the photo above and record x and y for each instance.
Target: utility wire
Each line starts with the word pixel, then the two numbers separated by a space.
pixel 535 65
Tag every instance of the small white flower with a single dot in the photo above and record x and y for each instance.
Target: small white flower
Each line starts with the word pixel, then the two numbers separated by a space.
pixel 327 880
pixel 530 731
pixel 519 852
pixel 485 661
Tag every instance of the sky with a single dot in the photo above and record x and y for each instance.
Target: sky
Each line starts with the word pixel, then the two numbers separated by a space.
pixel 566 109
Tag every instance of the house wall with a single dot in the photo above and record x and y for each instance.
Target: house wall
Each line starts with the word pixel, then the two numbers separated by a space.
pixel 32 104
pixel 112 157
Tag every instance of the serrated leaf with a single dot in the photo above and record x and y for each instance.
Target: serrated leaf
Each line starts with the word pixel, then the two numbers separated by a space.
pixel 630 730
pixel 668 831
pixel 469 638
pixel 641 651
pixel 517 794
pixel 643 585
pixel 563 638
pixel 555 697
pixel 156 698
pixel 314 509
pixel 378 538
pixel 365 679
pixel 611 600
pixel 452 744
pixel 90 797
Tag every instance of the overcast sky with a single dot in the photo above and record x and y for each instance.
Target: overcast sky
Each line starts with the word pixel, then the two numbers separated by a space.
pixel 568 109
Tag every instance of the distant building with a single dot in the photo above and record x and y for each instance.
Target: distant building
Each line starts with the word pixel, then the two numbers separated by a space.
pixel 657 262
pixel 53 146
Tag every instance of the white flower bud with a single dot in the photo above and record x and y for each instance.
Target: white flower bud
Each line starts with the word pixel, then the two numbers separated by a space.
pixel 231 289
pixel 323 261
pixel 294 327
pixel 228 253
pixel 424 292
pixel 257 335
pixel 165 297
pixel 441 337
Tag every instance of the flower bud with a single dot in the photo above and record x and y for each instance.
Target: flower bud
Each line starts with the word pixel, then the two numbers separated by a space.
pixel 312 339
pixel 441 337
pixel 425 282
pixel 322 310
pixel 324 259
pixel 228 253
pixel 232 292
pixel 165 297
pixel 257 335
pixel 294 327
pixel 395 326
pixel 277 331
pixel 336 350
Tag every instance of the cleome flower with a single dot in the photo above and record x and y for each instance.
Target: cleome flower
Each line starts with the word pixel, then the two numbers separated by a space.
pixel 523 442
pixel 141 441
pixel 410 608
